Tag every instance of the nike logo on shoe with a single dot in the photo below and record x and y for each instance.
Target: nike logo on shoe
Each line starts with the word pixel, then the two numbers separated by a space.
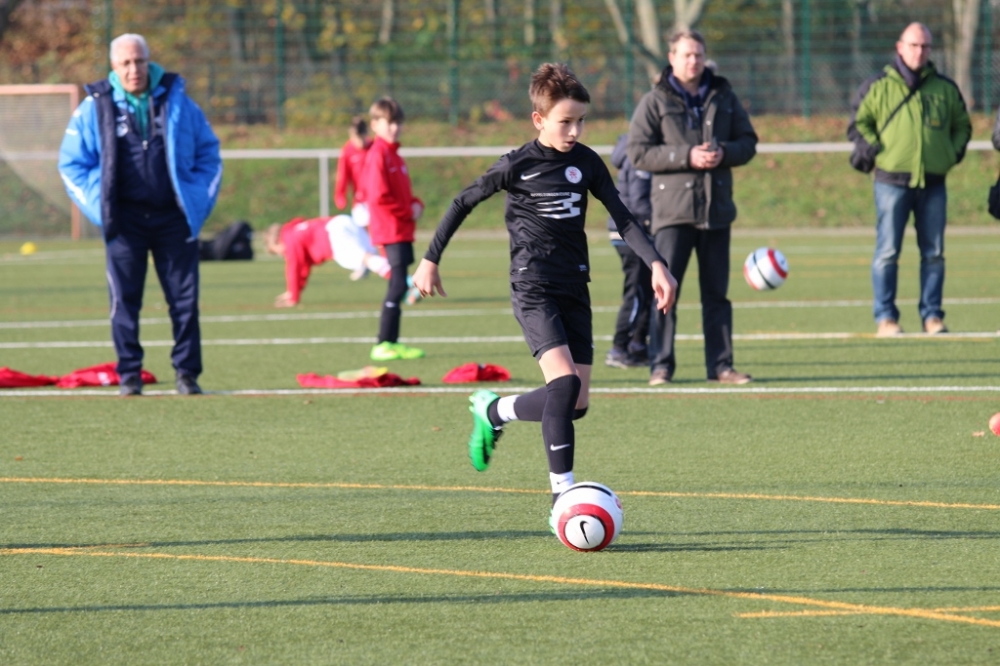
pixel 529 176
pixel 553 447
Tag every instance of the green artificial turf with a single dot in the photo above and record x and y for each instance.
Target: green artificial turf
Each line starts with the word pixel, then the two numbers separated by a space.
pixel 842 509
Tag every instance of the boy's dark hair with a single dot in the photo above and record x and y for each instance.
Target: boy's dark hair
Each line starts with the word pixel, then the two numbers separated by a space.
pixel 387 107
pixel 553 82
pixel 359 126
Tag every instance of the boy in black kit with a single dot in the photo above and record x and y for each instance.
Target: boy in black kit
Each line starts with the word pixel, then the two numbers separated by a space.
pixel 547 181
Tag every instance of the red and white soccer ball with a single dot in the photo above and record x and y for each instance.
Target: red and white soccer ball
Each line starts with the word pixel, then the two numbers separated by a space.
pixel 587 516
pixel 765 269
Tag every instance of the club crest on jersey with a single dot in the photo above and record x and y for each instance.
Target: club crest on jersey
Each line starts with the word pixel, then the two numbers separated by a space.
pixel 573 175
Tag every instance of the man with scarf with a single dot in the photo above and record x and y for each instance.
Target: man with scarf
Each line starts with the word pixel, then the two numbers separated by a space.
pixel 914 122
pixel 688 132
pixel 141 161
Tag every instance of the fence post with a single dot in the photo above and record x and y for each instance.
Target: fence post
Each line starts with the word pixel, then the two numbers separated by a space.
pixel 629 61
pixel 806 77
pixel 987 53
pixel 453 62
pixel 324 184
pixel 279 56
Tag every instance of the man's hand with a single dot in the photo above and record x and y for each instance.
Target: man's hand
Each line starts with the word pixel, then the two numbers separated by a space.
pixel 284 300
pixel 427 278
pixel 703 157
pixel 664 287
pixel 417 209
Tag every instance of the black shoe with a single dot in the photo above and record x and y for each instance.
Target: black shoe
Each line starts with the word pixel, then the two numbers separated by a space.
pixel 130 386
pixel 186 385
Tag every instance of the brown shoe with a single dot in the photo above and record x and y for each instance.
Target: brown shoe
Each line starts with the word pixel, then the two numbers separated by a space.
pixel 934 325
pixel 887 328
pixel 731 376
pixel 659 376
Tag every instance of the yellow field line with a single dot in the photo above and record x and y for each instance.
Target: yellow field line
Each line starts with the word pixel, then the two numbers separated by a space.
pixel 818 613
pixel 838 606
pixel 481 489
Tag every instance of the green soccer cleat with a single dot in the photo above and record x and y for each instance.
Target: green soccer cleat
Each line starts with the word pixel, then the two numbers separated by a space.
pixel 394 351
pixel 552 522
pixel 484 436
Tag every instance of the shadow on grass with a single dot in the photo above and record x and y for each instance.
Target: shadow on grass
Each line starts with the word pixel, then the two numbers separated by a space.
pixel 365 600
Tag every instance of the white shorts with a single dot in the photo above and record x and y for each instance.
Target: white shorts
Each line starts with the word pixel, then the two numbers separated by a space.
pixel 350 242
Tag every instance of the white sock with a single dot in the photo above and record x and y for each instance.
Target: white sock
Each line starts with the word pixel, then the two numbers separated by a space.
pixel 560 482
pixel 505 408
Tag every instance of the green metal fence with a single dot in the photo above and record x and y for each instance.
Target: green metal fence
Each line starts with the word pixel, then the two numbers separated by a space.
pixel 300 62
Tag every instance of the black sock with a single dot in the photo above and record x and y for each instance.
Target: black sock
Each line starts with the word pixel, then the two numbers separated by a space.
pixel 530 406
pixel 557 422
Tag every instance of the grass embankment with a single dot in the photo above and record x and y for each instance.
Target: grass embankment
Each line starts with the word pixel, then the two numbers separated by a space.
pixel 773 191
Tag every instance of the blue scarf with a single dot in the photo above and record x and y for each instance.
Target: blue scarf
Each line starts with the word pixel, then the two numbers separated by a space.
pixel 138 105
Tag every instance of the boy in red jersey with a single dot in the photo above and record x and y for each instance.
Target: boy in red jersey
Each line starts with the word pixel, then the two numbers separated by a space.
pixel 349 166
pixel 393 212
pixel 547 182
pixel 307 243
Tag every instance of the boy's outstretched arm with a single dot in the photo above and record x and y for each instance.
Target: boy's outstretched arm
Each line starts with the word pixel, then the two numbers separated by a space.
pixel 664 287
pixel 427 278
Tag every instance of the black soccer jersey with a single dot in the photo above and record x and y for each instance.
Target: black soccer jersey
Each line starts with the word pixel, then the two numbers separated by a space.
pixel 546 210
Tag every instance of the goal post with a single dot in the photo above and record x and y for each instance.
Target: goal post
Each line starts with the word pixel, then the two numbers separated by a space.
pixel 33 119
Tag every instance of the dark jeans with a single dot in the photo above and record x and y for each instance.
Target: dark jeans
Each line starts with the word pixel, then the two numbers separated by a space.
pixel 632 324
pixel 175 257
pixel 400 256
pixel 675 244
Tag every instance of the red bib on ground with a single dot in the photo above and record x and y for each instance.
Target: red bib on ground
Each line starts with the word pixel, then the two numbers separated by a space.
pixel 98 375
pixel 15 379
pixel 476 372
pixel 312 380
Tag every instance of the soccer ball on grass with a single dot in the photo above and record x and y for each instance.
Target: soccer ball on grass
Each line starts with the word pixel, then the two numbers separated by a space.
pixel 587 516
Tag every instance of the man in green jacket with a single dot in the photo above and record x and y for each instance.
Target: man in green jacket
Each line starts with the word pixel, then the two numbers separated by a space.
pixel 689 132
pixel 914 148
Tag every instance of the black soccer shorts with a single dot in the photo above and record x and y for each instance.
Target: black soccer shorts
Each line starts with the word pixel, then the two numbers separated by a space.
pixel 552 314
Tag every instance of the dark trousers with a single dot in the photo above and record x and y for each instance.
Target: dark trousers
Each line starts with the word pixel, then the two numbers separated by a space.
pixel 632 324
pixel 712 249
pixel 400 256
pixel 175 258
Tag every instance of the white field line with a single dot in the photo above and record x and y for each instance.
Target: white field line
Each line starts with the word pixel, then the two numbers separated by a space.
pixel 466 388
pixel 467 312
pixel 368 340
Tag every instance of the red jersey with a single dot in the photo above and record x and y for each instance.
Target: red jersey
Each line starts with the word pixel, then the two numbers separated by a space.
pixel 386 184
pixel 349 166
pixel 307 244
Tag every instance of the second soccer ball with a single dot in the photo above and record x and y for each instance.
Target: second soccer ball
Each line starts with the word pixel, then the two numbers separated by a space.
pixel 765 269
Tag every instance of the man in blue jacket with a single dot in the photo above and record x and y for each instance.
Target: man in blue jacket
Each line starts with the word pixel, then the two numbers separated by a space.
pixel 141 161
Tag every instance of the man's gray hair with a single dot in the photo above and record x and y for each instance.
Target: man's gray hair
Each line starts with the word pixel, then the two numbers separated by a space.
pixel 128 37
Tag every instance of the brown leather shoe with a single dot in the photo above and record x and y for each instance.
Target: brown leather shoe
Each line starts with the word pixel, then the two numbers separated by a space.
pixel 934 325
pixel 732 376
pixel 659 376
pixel 887 328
